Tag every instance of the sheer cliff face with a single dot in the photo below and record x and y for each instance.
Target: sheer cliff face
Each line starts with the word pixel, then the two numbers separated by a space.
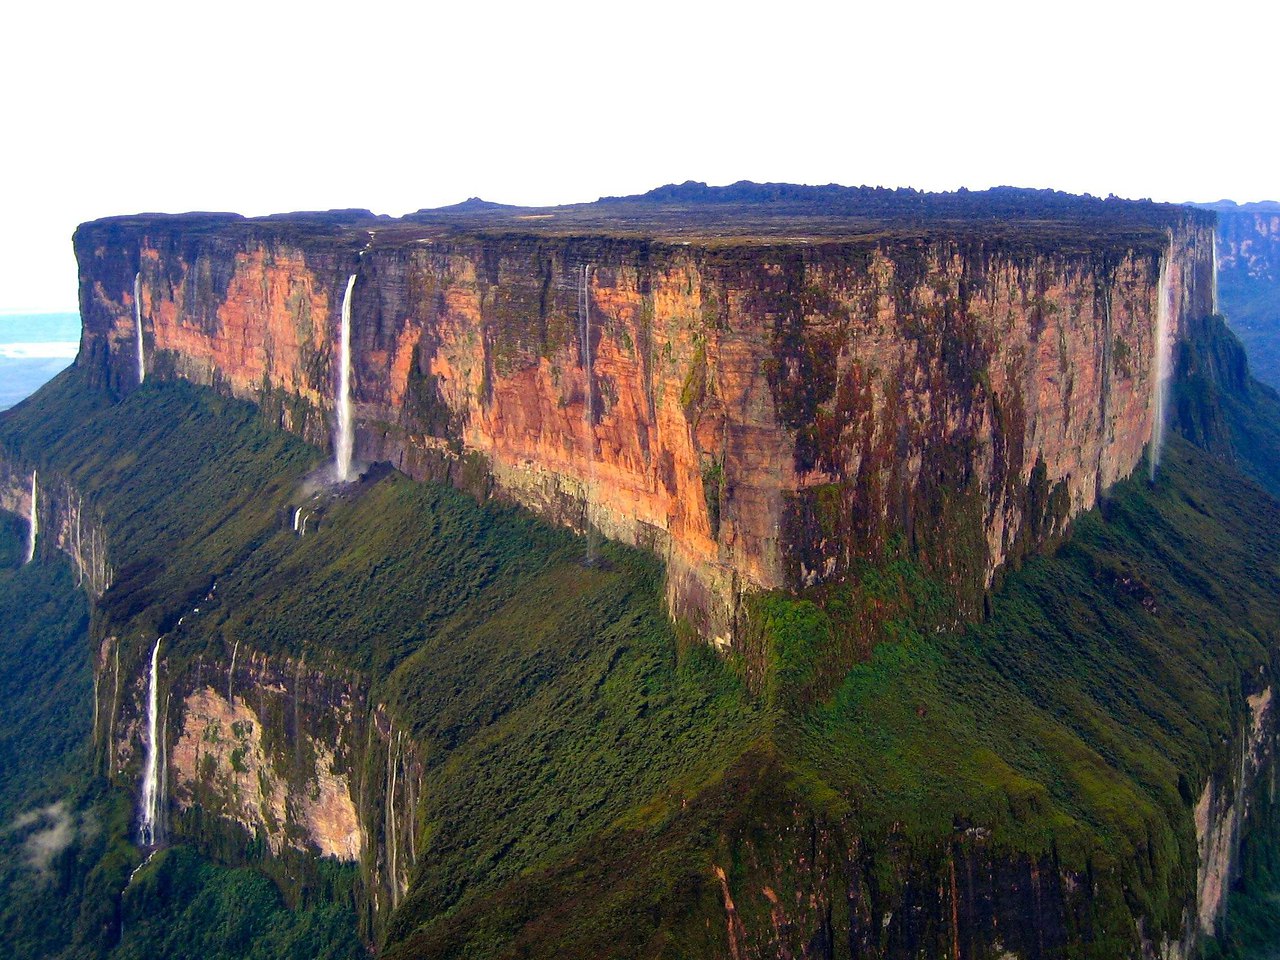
pixel 1249 244
pixel 1249 269
pixel 762 416
pixel 64 522
pixel 272 749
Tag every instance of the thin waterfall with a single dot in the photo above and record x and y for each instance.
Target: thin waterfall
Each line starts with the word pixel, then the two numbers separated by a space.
pixel 393 751
pixel 1163 349
pixel 296 515
pixel 33 528
pixel 151 780
pixel 1215 274
pixel 584 330
pixel 137 318
pixel 344 441
pixel 231 674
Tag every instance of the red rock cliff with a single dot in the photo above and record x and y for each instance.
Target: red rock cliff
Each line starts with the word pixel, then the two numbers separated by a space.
pixel 762 412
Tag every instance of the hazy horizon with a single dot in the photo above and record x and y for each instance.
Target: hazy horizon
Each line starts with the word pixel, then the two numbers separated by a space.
pixel 34 348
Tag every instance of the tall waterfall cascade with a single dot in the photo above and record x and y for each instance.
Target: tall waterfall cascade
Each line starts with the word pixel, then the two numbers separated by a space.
pixel 1163 361
pixel 151 799
pixel 33 528
pixel 1216 311
pixel 137 319
pixel 344 440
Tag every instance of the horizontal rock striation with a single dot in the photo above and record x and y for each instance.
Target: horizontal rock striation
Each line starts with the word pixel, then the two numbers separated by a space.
pixel 762 411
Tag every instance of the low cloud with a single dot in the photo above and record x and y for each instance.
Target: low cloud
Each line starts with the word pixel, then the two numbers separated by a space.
pixel 56 350
pixel 55 833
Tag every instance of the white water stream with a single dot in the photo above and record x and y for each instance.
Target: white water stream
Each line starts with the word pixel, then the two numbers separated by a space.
pixel 344 440
pixel 33 529
pixel 1215 274
pixel 151 778
pixel 137 318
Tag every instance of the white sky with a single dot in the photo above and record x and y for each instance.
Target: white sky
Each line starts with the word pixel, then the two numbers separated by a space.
pixel 261 107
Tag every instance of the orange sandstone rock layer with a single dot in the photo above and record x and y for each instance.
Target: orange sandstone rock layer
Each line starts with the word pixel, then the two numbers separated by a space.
pixel 761 414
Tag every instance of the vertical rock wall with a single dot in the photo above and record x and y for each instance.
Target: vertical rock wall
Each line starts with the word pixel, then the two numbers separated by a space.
pixel 64 522
pixel 268 754
pixel 761 416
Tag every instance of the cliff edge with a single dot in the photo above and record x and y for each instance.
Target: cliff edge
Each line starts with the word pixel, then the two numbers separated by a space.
pixel 764 384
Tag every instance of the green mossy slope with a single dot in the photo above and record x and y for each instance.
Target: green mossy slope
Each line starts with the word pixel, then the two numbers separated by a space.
pixel 1073 728
pixel 45 682
pixel 45 718
pixel 589 773
pixel 549 699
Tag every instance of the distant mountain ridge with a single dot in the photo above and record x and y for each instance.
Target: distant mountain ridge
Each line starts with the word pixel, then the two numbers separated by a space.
pixel 1230 206
pixel 1248 258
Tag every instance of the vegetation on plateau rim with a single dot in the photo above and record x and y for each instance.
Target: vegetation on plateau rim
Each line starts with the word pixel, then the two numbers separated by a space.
pixel 589 766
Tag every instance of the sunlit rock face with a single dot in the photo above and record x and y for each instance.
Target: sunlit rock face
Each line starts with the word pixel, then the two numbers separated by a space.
pixel 220 757
pixel 760 413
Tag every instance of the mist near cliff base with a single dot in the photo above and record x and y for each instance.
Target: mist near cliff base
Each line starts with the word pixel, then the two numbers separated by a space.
pixel 45 833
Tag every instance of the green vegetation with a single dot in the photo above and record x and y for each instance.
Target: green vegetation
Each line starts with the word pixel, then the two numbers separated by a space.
pixel 187 484
pixel 547 698
pixel 1069 729
pixel 1074 717
pixel 45 681
pixel 183 908
pixel 45 716
pixel 589 773
pixel 1251 928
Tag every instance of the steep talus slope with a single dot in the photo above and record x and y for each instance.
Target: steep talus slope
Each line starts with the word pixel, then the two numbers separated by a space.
pixel 1026 785
pixel 451 674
